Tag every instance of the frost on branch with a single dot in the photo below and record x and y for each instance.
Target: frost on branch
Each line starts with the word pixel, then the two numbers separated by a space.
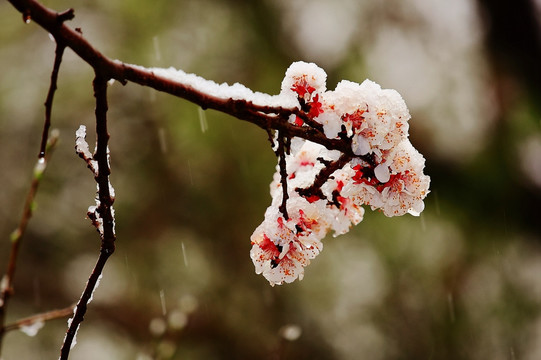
pixel 82 149
pixel 326 189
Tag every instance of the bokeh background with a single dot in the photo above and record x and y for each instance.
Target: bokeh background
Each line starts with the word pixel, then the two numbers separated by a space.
pixel 462 281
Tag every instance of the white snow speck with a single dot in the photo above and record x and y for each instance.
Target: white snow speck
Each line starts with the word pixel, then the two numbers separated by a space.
pixel 32 329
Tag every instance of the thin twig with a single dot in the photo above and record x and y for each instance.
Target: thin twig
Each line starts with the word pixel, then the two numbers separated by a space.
pixel 46 316
pixel 322 177
pixel 59 52
pixel 6 288
pixel 104 211
pixel 281 152
pixel 80 309
pixel 6 284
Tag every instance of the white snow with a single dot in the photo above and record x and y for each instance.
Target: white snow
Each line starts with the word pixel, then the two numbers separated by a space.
pixel 32 329
pixel 222 91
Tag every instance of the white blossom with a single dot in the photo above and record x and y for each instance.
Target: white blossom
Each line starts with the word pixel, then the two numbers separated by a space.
pixel 386 174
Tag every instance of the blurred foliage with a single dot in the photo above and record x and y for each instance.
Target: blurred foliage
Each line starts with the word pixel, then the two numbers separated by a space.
pixel 463 281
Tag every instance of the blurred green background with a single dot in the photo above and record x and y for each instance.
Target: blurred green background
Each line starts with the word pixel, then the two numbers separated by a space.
pixel 462 281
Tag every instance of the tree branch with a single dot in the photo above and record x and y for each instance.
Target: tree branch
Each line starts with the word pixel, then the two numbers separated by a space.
pixel 105 196
pixel 46 316
pixel 102 217
pixel 266 117
pixel 6 284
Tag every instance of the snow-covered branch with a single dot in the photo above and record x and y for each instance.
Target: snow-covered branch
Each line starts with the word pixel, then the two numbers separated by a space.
pixel 102 214
pixel 263 110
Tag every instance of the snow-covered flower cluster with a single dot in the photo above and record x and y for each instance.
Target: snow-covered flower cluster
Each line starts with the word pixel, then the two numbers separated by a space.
pixel 325 191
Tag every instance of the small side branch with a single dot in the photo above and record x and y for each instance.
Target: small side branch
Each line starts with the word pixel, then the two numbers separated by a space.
pixel 59 52
pixel 308 120
pixel 40 318
pixel 65 15
pixel 6 284
pixel 283 148
pixel 323 176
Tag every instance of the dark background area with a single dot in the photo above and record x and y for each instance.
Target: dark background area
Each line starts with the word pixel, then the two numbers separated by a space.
pixel 462 281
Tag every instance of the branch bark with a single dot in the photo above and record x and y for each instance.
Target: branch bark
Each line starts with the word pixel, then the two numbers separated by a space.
pixel 59 52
